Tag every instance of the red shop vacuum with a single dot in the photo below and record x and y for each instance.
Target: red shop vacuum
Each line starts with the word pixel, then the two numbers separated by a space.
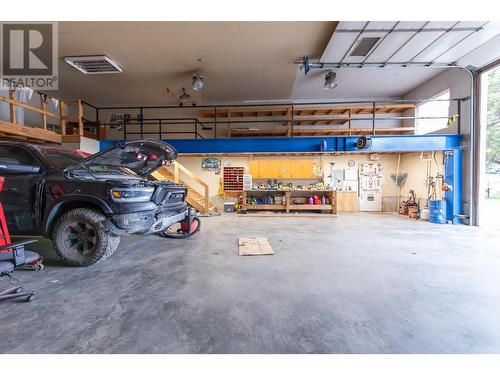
pixel 183 229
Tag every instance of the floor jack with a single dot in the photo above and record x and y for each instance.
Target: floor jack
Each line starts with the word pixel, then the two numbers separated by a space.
pixel 183 229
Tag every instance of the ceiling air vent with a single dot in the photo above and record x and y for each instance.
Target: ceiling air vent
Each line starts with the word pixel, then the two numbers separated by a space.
pixel 364 46
pixel 93 64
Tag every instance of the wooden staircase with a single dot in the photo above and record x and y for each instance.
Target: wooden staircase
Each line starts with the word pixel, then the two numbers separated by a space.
pixel 194 199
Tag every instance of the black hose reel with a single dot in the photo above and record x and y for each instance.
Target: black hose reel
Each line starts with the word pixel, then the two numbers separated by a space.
pixel 363 143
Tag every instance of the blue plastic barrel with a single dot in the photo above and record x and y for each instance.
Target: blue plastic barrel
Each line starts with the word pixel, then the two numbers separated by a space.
pixel 437 212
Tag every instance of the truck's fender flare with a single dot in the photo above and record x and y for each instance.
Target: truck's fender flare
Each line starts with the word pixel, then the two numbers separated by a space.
pixel 68 199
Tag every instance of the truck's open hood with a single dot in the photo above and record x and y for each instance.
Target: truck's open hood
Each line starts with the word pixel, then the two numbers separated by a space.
pixel 142 156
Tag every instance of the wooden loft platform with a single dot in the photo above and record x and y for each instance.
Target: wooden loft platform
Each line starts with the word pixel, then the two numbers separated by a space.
pixel 16 132
pixel 335 116
pixel 12 130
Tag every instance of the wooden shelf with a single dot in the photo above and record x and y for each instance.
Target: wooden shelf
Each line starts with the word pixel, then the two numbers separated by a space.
pixel 328 110
pixel 331 115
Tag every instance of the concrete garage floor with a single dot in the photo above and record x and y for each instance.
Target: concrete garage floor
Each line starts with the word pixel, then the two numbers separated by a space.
pixel 360 283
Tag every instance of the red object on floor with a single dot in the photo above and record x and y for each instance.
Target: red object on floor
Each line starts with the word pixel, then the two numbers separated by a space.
pixel 184 226
pixel 4 231
pixel 5 236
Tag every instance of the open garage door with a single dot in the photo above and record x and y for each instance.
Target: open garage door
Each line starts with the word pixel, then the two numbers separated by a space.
pixel 489 194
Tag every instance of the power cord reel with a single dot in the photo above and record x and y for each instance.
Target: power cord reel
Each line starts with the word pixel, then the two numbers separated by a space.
pixel 363 143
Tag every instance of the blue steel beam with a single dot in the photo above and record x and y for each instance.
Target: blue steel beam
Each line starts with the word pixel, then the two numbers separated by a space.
pixel 313 144
pixel 399 143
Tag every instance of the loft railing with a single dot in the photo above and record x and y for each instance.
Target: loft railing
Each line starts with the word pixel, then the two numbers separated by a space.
pixel 210 118
pixel 79 118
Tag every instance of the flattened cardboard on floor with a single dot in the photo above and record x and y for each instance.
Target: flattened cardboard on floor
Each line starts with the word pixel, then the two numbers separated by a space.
pixel 254 246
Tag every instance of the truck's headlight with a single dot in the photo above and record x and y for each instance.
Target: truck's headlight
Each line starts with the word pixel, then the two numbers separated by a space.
pixel 132 194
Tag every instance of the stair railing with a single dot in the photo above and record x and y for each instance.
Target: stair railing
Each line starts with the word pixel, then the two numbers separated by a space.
pixel 179 167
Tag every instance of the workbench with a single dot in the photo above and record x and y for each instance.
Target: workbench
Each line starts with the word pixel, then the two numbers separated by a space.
pixel 290 197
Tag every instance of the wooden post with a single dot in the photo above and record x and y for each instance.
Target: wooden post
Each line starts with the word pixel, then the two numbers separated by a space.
pixel 62 117
pixel 229 124
pixel 80 117
pixel 288 122
pixel 333 202
pixel 244 199
pixel 176 172
pixel 101 131
pixel 350 121
pixel 12 107
pixel 43 108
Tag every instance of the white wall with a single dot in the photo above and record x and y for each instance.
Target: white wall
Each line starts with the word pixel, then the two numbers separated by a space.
pixel 86 144
pixel 412 164
pixel 390 199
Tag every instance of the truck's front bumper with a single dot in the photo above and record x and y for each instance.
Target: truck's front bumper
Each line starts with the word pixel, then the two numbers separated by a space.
pixel 144 222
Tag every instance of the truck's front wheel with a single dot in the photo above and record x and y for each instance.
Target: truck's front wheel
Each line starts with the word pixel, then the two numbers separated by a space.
pixel 81 239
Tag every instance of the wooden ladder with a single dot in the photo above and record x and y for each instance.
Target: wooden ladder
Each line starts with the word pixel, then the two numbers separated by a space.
pixel 194 199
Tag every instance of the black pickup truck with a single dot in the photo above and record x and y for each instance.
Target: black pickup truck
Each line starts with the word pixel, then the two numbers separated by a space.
pixel 86 204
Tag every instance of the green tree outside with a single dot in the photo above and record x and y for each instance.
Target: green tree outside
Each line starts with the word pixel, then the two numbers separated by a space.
pixel 493 123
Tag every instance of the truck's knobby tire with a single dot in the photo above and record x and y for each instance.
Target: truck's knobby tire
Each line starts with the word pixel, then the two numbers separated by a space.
pixel 80 238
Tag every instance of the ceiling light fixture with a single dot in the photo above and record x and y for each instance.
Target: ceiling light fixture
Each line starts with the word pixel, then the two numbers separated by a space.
pixel 198 83
pixel 330 78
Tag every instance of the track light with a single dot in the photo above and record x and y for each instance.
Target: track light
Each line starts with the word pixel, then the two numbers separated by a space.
pixel 197 84
pixel 330 83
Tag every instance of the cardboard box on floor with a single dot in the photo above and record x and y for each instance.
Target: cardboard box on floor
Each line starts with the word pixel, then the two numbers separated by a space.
pixel 254 246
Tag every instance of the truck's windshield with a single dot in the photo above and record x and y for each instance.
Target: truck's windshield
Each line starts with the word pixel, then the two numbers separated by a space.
pixel 110 169
pixel 61 159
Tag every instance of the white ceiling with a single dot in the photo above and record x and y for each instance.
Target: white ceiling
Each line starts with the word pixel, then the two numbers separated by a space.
pixel 465 48
pixel 251 61
pixel 361 83
pixel 239 60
